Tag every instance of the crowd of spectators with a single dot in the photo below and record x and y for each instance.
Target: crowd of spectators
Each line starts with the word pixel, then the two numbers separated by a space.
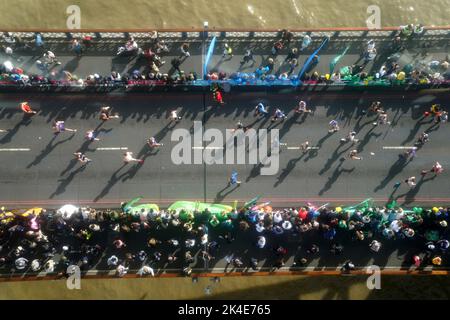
pixel 153 50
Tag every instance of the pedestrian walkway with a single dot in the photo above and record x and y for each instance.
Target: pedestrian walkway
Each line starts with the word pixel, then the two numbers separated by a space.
pixel 99 56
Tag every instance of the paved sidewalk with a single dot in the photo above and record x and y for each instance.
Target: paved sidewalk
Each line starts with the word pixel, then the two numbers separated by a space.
pixel 101 57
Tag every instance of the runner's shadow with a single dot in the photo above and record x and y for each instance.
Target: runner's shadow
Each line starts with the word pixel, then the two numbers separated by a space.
pixel 7 137
pixel 331 180
pixel 313 153
pixel 286 171
pixel 335 156
pixel 256 171
pixel 146 152
pixel 362 143
pixel 84 147
pixel 411 194
pixel 48 149
pixel 65 182
pixel 414 130
pixel 143 154
pixel 219 197
pixel 112 181
pixel 395 169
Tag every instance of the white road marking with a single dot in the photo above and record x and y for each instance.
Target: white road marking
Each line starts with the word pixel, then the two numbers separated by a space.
pixel 399 148
pixel 214 148
pixel 298 148
pixel 15 149
pixel 112 148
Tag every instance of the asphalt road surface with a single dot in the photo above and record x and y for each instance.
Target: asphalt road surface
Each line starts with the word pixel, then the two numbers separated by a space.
pixel 38 167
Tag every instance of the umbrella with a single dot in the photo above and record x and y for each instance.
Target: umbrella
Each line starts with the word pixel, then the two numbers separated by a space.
pixel 6 217
pixel 67 210
pixel 33 211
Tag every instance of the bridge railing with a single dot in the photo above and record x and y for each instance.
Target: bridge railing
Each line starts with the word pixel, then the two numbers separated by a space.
pixel 194 33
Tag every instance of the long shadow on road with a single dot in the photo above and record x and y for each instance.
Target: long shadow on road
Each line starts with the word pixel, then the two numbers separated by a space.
pixel 286 171
pixel 7 137
pixel 65 182
pixel 331 180
pixel 395 169
pixel 48 149
pixel 112 181
pixel 411 194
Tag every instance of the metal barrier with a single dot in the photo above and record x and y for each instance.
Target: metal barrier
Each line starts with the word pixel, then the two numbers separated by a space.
pixel 223 33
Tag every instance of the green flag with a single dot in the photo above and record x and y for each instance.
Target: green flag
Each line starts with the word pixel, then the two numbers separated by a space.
pixel 130 203
pixel 336 60
pixel 251 202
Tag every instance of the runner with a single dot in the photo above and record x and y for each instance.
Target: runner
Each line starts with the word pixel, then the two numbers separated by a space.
pixel 227 51
pixel 234 179
pixel 301 108
pixel 436 169
pixel 153 144
pixel 27 111
pixel 81 157
pixel 59 126
pixel 217 96
pixel 278 115
pixel 128 157
pixel 50 58
pixel 423 138
pixel 435 108
pixel 443 118
pixel 304 147
pixel 260 109
pixel 174 116
pixel 411 181
pixel 382 119
pixel 375 107
pixel 334 127
pixel 248 57
pixel 411 153
pixel 105 114
pixel 354 155
pixel 350 138
pixel 91 135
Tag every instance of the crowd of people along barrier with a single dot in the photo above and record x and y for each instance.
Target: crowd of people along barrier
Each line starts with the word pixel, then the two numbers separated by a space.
pixel 141 238
pixel 154 49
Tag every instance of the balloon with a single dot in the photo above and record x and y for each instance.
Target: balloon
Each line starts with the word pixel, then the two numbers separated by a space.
pixel 435 209
pixel 338 209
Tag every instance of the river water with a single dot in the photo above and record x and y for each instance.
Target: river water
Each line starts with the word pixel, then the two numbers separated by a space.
pixel 221 14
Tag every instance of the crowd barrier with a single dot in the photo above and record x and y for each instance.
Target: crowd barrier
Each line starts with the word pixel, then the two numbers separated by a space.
pixel 225 85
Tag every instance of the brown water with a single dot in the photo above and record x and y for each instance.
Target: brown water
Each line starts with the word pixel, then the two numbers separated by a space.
pixel 271 287
pixel 225 14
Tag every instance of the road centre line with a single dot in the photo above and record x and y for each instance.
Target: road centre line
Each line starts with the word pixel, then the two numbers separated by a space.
pixel 298 148
pixel 399 148
pixel 15 149
pixel 112 148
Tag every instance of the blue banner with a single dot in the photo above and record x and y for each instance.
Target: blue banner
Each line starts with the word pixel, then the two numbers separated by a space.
pixel 208 56
pixel 311 57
